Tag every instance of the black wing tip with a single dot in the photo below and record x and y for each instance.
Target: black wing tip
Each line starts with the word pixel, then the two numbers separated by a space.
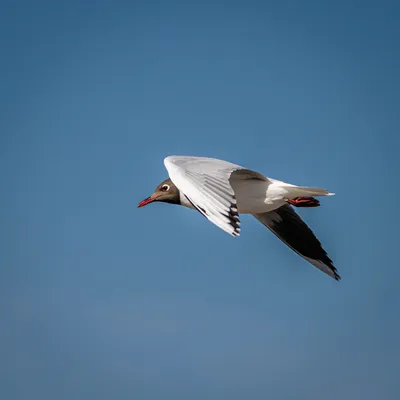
pixel 234 219
pixel 329 264
pixel 336 276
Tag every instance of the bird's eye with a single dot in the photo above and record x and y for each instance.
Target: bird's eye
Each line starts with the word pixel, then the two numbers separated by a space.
pixel 165 188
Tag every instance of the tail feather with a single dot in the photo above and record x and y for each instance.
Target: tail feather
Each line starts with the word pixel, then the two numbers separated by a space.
pixel 306 191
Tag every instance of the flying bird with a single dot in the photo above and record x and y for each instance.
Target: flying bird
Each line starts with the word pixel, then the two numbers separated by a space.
pixel 221 191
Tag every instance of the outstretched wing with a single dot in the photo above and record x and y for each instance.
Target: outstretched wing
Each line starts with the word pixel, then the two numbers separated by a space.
pixel 293 231
pixel 205 183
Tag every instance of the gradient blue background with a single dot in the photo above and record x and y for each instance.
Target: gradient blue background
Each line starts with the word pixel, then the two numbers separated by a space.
pixel 102 300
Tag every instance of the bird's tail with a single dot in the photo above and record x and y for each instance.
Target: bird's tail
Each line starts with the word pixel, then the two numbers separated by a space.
pixel 306 191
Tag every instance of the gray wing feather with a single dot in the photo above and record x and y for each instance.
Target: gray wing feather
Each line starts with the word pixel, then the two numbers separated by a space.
pixel 205 183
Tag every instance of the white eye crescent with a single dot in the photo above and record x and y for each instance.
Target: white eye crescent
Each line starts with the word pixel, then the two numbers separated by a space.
pixel 165 188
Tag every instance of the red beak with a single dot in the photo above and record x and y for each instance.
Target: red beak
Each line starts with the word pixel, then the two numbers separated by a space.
pixel 146 201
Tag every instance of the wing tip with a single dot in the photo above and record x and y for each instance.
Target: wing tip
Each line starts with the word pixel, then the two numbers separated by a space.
pixel 331 271
pixel 325 265
pixel 335 275
pixel 329 268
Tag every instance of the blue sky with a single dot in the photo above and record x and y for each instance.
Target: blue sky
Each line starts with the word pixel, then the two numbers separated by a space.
pixel 102 300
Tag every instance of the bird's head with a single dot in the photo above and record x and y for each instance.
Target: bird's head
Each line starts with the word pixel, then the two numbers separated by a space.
pixel 165 192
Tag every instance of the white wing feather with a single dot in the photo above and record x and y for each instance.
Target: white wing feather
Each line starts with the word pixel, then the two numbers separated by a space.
pixel 205 183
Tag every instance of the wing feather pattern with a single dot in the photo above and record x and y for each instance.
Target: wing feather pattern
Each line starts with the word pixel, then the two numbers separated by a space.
pixel 287 225
pixel 205 183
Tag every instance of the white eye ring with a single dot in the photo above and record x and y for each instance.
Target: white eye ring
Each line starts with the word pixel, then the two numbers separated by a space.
pixel 165 187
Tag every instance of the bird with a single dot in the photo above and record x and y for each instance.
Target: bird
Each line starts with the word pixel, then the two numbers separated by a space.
pixel 221 191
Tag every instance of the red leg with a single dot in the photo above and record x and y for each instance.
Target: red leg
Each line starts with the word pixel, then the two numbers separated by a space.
pixel 304 202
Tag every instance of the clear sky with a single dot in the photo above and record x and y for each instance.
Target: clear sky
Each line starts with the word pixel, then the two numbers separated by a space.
pixel 99 299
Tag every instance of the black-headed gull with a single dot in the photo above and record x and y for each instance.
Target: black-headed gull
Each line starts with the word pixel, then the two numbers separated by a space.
pixel 221 191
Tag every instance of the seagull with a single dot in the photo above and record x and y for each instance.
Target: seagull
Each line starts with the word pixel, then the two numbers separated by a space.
pixel 221 191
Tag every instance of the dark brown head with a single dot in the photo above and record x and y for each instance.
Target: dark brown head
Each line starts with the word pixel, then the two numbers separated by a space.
pixel 166 192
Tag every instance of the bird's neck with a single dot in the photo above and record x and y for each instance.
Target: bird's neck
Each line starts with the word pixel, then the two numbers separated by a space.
pixel 184 201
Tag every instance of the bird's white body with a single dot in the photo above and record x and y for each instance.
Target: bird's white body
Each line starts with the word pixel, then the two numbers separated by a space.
pixel 256 197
